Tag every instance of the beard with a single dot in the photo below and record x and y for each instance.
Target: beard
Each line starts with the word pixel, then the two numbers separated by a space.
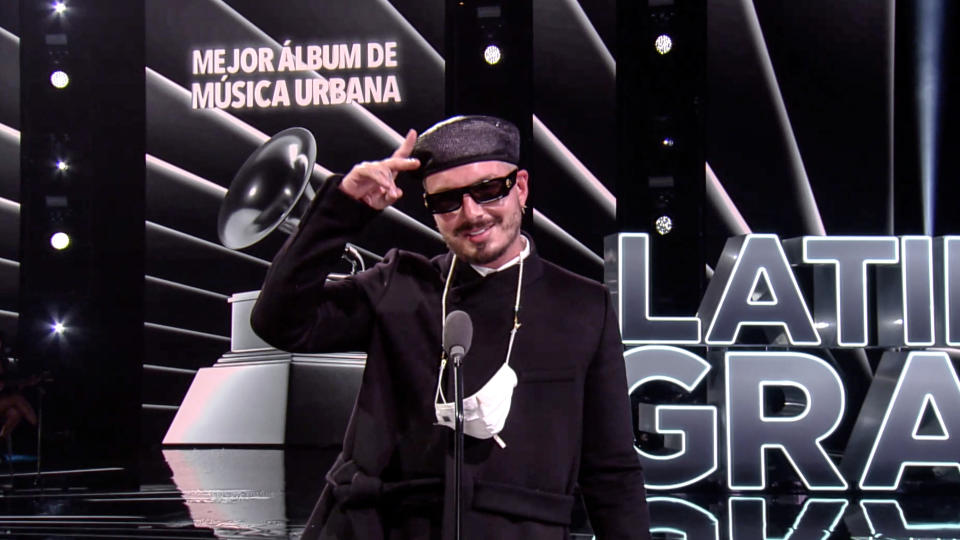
pixel 506 230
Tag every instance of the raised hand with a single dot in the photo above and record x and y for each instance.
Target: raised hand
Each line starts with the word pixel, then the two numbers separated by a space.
pixel 374 182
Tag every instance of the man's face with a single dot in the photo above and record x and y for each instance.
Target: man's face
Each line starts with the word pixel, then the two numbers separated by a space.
pixel 482 234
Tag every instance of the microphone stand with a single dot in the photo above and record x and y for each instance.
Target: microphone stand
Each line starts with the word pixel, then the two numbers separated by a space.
pixel 458 444
pixel 457 334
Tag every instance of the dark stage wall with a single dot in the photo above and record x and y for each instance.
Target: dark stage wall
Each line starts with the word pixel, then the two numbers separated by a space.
pixel 808 118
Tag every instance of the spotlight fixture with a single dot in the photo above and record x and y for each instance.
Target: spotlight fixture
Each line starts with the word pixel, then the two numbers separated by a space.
pixel 59 79
pixel 667 142
pixel 59 7
pixel 492 54
pixel 62 165
pixel 663 44
pixel 60 240
pixel 664 225
pixel 58 328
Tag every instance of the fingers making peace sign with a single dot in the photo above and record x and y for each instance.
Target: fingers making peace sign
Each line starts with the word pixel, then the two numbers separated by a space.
pixel 374 182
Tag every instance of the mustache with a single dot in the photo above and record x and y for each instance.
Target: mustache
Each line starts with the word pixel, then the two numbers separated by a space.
pixel 478 224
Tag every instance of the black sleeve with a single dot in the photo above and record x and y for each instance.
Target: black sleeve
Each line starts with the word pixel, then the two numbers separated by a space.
pixel 611 478
pixel 298 310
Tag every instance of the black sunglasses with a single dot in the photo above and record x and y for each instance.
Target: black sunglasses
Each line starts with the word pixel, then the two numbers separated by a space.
pixel 485 191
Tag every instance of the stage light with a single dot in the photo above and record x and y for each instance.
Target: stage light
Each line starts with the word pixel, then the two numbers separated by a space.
pixel 58 328
pixel 492 54
pixel 60 240
pixel 59 79
pixel 62 165
pixel 667 142
pixel 663 44
pixel 59 7
pixel 664 225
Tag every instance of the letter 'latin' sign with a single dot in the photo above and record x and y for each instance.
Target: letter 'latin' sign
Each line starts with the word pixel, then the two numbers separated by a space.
pixel 899 293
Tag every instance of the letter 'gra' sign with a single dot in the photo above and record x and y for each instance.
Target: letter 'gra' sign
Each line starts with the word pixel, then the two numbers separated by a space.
pixel 900 293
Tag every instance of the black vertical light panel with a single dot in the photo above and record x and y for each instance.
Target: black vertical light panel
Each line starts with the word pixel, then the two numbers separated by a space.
pixel 91 407
pixel 947 221
pixel 660 142
pixel 907 192
pixel 504 89
pixel 473 86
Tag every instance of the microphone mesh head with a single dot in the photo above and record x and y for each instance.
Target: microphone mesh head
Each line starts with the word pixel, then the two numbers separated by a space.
pixel 457 331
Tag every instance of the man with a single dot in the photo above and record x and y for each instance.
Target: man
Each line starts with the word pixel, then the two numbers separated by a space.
pixel 548 409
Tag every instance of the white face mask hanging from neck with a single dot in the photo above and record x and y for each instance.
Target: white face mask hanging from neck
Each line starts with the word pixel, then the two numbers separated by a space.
pixel 485 412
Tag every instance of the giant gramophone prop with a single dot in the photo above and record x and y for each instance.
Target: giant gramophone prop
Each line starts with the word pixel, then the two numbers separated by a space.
pixel 271 191
pixel 256 394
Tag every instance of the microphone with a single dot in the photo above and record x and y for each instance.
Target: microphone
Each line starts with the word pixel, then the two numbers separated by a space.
pixel 457 335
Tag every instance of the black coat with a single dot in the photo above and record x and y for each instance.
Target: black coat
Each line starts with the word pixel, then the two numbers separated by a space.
pixel 569 422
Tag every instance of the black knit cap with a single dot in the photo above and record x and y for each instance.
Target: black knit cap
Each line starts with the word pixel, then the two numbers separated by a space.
pixel 466 139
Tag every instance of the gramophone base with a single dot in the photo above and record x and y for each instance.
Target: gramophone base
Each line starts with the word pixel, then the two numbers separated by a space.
pixel 272 398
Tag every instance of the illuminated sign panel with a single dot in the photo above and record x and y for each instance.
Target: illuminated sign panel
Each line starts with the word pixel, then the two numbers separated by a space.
pixel 818 519
pixel 905 296
pixel 295 75
pixel 910 416
pixel 694 426
pixel 752 433
pixel 946 283
pixel 840 276
pixel 727 305
pixel 632 275
pixel 677 516
pixel 748 518
pixel 905 388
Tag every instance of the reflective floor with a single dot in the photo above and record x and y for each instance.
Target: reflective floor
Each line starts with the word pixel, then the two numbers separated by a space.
pixel 258 493
pixel 197 493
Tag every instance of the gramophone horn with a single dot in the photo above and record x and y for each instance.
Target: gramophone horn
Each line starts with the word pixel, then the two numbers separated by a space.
pixel 271 190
